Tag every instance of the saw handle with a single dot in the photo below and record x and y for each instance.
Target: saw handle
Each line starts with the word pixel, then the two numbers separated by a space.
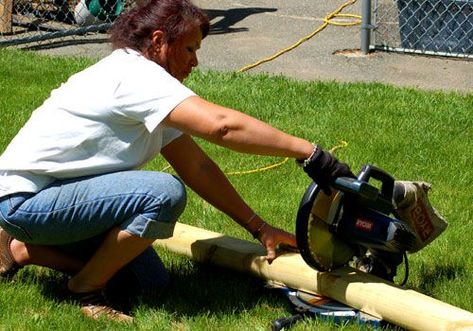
pixel 387 181
pixel 358 187
pixel 286 322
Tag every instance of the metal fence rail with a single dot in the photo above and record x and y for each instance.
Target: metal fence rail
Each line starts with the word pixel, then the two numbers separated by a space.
pixel 434 27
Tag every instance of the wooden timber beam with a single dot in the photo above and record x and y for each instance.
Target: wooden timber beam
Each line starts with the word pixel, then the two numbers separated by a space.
pixel 372 295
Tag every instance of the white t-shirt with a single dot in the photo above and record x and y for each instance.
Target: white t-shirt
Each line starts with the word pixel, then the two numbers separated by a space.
pixel 103 119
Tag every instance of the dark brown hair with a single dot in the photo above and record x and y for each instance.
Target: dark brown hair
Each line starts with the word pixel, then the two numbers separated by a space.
pixel 134 28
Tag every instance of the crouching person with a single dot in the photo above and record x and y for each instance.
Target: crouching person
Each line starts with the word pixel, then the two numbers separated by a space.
pixel 71 197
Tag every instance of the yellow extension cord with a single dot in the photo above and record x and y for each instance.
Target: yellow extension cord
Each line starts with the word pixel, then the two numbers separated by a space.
pixel 342 144
pixel 328 20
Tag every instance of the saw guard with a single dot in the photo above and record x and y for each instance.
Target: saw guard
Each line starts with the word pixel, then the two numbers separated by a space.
pixel 318 246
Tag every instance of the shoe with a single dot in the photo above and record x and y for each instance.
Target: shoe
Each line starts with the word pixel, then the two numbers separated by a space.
pixel 8 266
pixel 95 305
pixel 413 207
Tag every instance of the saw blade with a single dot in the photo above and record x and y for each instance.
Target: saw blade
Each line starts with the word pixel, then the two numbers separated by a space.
pixel 321 302
pixel 326 249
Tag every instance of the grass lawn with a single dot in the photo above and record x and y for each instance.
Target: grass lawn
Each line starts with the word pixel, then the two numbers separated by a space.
pixel 412 134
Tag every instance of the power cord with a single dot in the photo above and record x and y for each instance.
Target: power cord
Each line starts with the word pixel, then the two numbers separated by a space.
pixel 328 20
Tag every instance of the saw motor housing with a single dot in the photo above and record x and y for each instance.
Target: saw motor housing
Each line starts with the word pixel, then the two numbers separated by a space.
pixel 355 217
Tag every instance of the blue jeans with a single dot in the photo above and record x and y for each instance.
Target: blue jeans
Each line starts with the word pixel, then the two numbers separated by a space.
pixel 75 214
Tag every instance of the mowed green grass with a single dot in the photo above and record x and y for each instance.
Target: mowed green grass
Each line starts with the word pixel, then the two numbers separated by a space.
pixel 412 134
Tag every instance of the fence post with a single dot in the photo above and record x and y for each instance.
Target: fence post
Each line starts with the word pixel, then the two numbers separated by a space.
pixel 6 8
pixel 365 26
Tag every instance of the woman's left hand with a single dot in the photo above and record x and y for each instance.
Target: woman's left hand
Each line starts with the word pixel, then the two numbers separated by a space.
pixel 272 237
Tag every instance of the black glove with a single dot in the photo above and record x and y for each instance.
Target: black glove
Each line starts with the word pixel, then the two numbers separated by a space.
pixel 324 168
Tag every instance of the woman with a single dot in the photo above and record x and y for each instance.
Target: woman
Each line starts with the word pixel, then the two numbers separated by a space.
pixel 70 198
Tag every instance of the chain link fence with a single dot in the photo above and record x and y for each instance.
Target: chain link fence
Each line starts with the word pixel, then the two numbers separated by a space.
pixel 438 27
pixel 37 22
pixel 435 27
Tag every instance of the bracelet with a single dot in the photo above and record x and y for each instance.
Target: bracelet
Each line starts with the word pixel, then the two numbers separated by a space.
pixel 304 162
pixel 257 233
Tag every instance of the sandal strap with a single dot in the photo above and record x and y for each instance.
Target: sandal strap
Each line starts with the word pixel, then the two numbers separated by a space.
pixel 8 266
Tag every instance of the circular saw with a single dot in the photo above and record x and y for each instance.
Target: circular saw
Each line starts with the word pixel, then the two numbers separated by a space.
pixel 357 215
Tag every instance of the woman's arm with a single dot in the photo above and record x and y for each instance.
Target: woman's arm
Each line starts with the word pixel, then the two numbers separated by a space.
pixel 235 130
pixel 203 176
pixel 240 132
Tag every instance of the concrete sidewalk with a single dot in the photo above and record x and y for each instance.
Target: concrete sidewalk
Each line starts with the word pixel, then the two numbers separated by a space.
pixel 246 31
